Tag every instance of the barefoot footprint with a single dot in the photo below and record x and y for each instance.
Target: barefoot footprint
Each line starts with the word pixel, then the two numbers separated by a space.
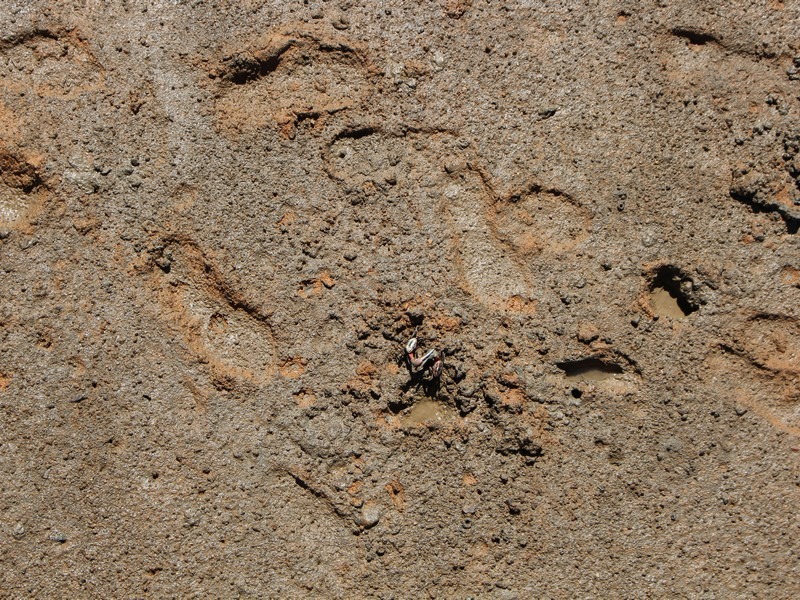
pixel 50 63
pixel 763 362
pixel 219 325
pixel 448 200
pixel 35 64
pixel 290 76
pixel 493 242
pixel 491 270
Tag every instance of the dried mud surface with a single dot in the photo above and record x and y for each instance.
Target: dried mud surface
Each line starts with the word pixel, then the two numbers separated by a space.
pixel 221 221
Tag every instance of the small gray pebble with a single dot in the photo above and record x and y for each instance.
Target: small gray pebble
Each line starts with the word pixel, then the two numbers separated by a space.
pixel 370 515
pixel 18 532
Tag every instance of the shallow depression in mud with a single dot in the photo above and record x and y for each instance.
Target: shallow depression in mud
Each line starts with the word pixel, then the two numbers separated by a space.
pixel 668 296
pixel 424 412
pixel 589 369
pixel 666 304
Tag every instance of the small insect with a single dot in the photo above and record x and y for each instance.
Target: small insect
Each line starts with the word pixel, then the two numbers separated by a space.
pixel 417 364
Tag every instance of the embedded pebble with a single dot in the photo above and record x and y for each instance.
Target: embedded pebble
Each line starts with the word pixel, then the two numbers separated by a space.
pixel 19 531
pixel 370 515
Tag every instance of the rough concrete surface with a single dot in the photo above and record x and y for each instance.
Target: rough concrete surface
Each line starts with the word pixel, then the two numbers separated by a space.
pixel 221 221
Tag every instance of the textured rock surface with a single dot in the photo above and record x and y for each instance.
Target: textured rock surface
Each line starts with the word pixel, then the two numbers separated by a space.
pixel 221 221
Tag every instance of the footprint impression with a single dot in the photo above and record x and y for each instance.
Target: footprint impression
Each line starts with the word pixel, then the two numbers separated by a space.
pixel 391 183
pixel 218 324
pixel 49 63
pixel 762 363
pixel 40 69
pixel 493 242
pixel 696 57
pixel 289 77
pixel 22 191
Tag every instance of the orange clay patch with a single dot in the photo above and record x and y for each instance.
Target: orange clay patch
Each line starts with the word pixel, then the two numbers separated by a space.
pixel 790 276
pixel 305 398
pixel 314 287
pixel 468 479
pixel 293 367
pixel 512 397
pixel 397 493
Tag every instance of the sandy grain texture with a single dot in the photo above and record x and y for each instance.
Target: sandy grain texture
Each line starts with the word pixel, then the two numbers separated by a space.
pixel 221 221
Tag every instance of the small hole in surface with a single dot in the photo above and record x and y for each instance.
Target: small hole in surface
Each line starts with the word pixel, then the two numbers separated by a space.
pixel 666 296
pixel 589 369
pixel 576 393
